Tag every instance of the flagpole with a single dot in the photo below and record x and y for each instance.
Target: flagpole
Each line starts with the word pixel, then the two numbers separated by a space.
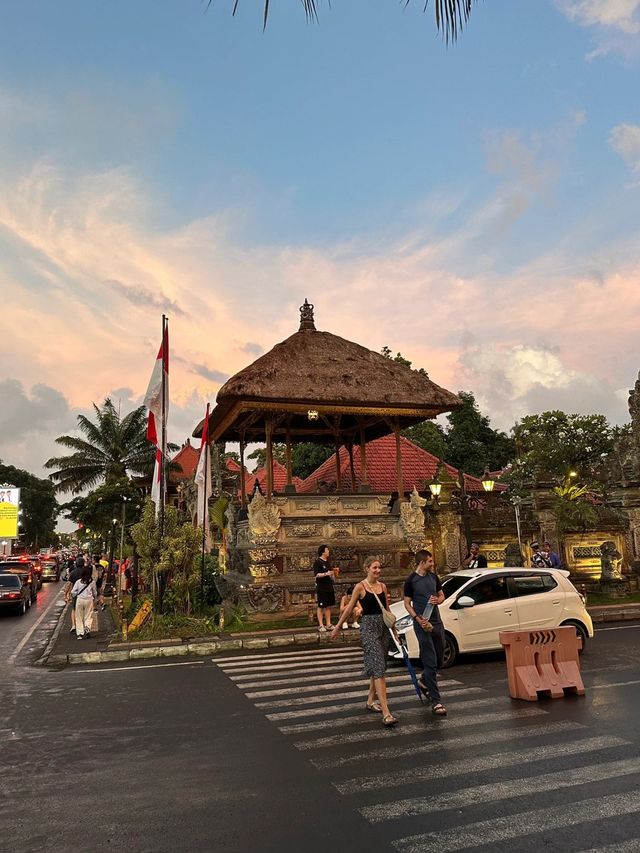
pixel 204 515
pixel 163 440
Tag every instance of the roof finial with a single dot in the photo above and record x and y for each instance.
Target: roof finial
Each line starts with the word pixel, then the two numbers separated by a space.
pixel 306 317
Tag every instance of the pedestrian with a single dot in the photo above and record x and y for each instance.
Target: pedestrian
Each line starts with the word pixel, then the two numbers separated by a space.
pixel 372 596
pixel 539 560
pixel 74 576
pixel 551 555
pixel 474 559
pixel 98 578
pixel 422 595
pixel 325 593
pixel 357 610
pixel 84 594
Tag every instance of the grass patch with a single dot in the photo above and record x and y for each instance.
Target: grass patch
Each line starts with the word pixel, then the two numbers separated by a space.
pixel 596 600
pixel 269 626
pixel 169 625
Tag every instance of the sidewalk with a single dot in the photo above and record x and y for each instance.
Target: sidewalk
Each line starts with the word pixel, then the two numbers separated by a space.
pixel 102 647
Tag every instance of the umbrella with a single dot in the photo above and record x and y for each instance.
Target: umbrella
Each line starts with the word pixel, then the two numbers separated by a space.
pixel 412 673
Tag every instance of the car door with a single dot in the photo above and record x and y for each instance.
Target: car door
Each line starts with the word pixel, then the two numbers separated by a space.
pixel 539 600
pixel 494 611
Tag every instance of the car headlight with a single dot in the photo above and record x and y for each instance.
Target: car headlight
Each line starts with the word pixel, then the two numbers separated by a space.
pixel 404 624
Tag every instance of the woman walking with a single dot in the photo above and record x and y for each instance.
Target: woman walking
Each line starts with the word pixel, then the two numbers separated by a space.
pixel 83 595
pixel 372 596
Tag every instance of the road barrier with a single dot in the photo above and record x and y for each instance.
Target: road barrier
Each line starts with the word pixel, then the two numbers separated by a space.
pixel 544 662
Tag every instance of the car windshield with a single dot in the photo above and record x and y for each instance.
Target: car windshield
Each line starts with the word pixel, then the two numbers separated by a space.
pixel 452 584
pixel 10 567
pixel 9 581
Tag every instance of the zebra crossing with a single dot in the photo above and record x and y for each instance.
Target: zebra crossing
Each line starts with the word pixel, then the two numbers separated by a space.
pixel 492 774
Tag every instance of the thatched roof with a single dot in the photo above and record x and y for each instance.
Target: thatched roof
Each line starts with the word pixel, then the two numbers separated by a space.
pixel 322 372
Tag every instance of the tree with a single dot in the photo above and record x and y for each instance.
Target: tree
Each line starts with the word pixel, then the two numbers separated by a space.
pixel 386 352
pixel 429 436
pixel 97 510
pixel 307 456
pixel 38 504
pixel 472 444
pixel 114 447
pixel 563 447
pixel 450 15
pixel 260 455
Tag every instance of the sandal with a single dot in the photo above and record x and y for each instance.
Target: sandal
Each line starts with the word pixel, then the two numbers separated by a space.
pixel 374 706
pixel 389 720
pixel 439 709
pixel 423 687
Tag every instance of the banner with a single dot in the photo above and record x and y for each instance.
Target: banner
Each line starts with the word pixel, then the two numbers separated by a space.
pixel 9 507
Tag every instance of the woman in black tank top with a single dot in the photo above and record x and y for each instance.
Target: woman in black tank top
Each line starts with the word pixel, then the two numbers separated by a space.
pixel 372 595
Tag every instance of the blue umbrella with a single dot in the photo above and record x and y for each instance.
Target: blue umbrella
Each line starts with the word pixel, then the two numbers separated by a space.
pixel 405 656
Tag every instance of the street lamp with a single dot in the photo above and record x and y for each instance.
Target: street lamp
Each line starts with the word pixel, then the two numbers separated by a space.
pixel 435 487
pixel 487 481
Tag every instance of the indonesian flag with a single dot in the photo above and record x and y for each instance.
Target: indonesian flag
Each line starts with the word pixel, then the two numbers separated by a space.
pixel 153 397
pixel 203 482
pixel 155 485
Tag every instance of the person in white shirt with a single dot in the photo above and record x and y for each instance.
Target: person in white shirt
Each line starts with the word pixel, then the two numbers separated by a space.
pixel 84 594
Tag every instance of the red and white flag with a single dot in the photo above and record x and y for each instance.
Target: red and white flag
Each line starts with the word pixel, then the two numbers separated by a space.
pixel 153 398
pixel 203 482
pixel 155 484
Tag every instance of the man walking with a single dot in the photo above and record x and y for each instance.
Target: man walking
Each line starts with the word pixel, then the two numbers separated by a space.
pixel 422 595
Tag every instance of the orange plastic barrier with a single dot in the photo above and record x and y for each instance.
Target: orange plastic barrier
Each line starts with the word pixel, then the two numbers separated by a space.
pixel 544 661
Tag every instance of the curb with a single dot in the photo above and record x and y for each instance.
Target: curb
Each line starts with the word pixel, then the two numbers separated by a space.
pixel 119 652
pixel 46 654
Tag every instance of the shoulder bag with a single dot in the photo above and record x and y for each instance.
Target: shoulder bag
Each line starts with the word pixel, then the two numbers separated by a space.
pixel 387 616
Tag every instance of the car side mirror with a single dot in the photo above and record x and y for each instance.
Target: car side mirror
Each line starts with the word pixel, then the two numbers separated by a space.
pixel 466 601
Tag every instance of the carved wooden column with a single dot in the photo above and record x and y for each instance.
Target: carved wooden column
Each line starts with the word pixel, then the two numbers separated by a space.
pixel 396 430
pixel 338 474
pixel 351 466
pixel 289 466
pixel 243 485
pixel 364 478
pixel 269 465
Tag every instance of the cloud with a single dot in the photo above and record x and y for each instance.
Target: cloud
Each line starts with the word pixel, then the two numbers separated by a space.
pixel 625 141
pixel 142 296
pixel 614 25
pixel 22 414
pixel 252 349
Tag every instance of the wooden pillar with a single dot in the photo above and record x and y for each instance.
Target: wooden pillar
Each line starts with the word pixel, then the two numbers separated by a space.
pixel 364 479
pixel 396 430
pixel 269 466
pixel 338 474
pixel 351 466
pixel 289 468
pixel 243 487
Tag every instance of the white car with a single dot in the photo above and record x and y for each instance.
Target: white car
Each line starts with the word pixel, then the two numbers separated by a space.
pixel 479 603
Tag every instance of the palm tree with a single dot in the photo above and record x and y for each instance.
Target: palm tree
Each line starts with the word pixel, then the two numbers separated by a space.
pixel 451 15
pixel 114 447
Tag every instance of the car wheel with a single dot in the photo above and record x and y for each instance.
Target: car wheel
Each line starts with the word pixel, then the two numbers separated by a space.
pixel 450 651
pixel 581 631
pixel 21 609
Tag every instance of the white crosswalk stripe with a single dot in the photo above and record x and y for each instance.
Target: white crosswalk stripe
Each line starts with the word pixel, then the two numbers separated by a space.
pixel 489 753
pixel 499 829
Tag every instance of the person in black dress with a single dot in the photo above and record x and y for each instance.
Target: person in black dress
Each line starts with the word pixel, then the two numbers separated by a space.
pixel 372 595
pixel 325 593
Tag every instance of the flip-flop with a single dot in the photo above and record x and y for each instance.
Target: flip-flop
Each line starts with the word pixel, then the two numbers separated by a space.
pixel 375 707
pixel 439 710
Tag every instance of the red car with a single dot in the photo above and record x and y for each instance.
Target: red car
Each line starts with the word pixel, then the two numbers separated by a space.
pixel 36 562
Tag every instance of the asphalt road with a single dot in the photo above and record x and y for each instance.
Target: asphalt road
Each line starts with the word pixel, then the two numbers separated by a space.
pixel 275 752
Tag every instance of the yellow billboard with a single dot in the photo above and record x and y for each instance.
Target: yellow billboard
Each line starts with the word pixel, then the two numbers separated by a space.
pixel 9 508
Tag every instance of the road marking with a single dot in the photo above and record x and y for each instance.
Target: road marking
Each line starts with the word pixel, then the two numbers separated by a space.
pixel 422 728
pixel 617 628
pixel 614 684
pixel 478 764
pixel 543 729
pixel 138 668
pixel 500 791
pixel 499 829
pixel 31 630
pixel 340 684
pixel 321 669
pixel 276 655
pixel 239 680
pixel 355 706
pixel 311 700
pixel 291 663
pixel 418 710
pixel 630 846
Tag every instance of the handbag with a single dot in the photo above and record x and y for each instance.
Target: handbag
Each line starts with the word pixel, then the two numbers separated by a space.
pixel 387 616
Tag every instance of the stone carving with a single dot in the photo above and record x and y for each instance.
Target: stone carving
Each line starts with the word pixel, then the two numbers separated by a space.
pixel 265 598
pixel 610 559
pixel 412 516
pixel 262 570
pixel 372 528
pixel 308 506
pixel 340 530
pixel 331 504
pixel 634 411
pixel 513 555
pixel 264 519
pixel 304 531
pixel 262 555
pixel 299 562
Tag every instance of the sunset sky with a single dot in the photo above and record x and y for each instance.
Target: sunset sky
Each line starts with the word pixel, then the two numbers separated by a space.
pixel 476 206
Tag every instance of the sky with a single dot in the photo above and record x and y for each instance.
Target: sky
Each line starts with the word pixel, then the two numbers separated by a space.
pixel 474 206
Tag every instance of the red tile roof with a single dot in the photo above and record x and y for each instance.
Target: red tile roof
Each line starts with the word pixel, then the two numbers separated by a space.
pixel 187 457
pixel 418 466
pixel 279 479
